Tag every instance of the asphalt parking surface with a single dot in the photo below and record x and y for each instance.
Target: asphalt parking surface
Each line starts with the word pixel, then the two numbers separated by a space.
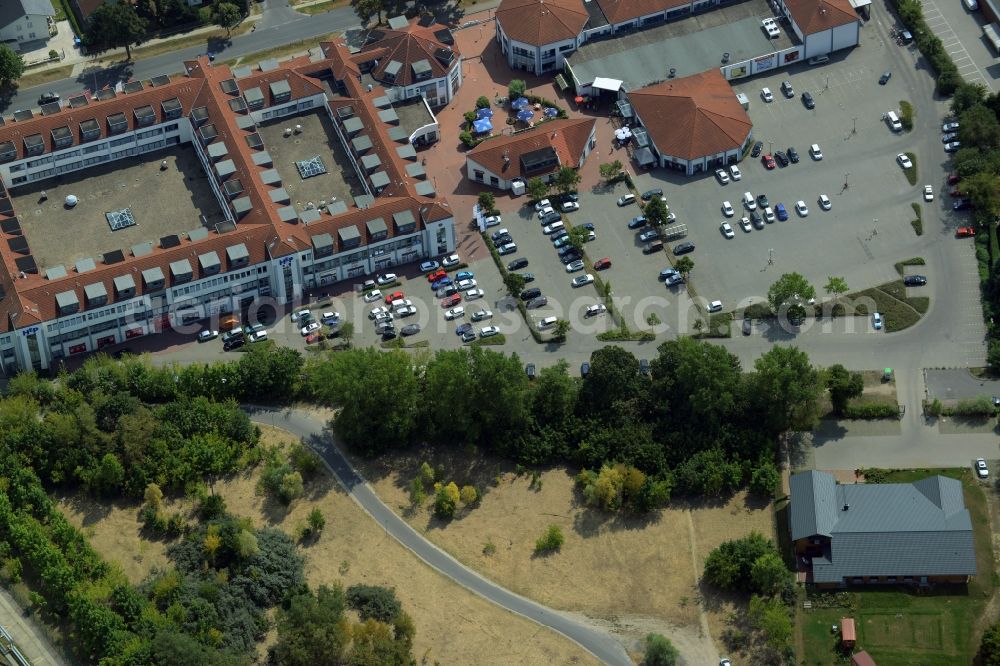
pixel 551 277
pixel 634 276
pixel 961 34
pixel 868 228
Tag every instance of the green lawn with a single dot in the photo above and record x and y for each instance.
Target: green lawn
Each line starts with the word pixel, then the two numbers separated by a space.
pixel 900 627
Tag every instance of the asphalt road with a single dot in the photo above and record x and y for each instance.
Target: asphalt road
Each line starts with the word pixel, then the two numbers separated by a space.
pixel 311 430
pixel 279 25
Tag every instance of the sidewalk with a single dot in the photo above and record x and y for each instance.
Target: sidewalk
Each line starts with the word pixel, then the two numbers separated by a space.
pixel 30 639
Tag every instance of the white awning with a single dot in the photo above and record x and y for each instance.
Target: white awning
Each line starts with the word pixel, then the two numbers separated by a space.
pixel 601 83
pixel 858 4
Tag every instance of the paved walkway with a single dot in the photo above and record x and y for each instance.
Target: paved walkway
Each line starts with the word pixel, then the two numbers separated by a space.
pixel 28 637
pixel 312 430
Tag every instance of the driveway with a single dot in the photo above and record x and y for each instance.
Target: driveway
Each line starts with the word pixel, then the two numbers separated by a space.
pixel 958 383
pixel 312 430
pixel 961 34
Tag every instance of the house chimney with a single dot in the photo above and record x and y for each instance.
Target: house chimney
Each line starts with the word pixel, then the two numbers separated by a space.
pixel 846 507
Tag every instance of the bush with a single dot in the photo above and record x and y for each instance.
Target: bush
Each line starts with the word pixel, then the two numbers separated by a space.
pixel 374 602
pixel 305 461
pixel 290 487
pixel 211 507
pixel 730 565
pixel 870 411
pixel 906 115
pixel 482 102
pixel 551 541
pixel 659 651
pixel 53 54
pixel 981 406
pixel 465 136
pixel 765 479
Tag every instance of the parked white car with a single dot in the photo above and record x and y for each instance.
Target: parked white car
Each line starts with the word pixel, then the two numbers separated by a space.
pixel 455 313
pixel 473 294
pixel 581 280
pixel 722 176
pixel 928 193
pixel 372 296
pixel 727 209
pixel 596 309
pixel 904 161
pixel 801 208
pixel 735 172
pixel 824 202
pixel 301 314
pixel 765 94
pixel 451 260
pixel 488 331
pixel 541 205
pixel 310 328
pixel 727 230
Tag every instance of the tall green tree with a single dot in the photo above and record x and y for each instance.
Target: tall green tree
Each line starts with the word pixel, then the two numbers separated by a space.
pixel 696 384
pixel 656 211
pixel 312 630
pixel 684 265
pixel 113 26
pixel 843 385
pixel 989 648
pixel 613 384
pixel 501 394
pixel 448 381
pixel 567 178
pixel 791 291
pixel 514 283
pixel 487 203
pixel 536 188
pixel 554 397
pixel 610 170
pixel 835 286
pixel 516 88
pixel 366 9
pixel 660 651
pixel 226 15
pixel 578 236
pixel 11 66
pixel 966 96
pixel 787 389
pixel 979 128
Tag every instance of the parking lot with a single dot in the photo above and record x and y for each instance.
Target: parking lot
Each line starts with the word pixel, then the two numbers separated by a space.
pixel 868 228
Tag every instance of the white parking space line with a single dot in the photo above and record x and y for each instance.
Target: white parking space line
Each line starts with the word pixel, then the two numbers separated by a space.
pixel 953 45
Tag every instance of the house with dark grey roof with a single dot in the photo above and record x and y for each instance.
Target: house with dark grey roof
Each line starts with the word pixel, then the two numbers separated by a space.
pixel 25 22
pixel 914 533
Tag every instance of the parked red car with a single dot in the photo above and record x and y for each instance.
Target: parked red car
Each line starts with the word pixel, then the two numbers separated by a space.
pixel 956 192
pixel 768 161
pixel 451 301
pixel 394 296
pixel 965 232
pixel 601 264
pixel 436 275
pixel 312 337
pixel 954 178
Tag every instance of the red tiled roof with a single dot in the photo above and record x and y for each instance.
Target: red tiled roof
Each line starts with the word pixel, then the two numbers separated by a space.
pixel 407 46
pixel 847 631
pixel 87 7
pixel 692 117
pixel 185 90
pixel 540 22
pixel 862 659
pixel 31 300
pixel 568 137
pixel 814 16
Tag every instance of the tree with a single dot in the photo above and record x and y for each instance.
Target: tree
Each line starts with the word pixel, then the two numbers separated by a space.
pixel 843 386
pixel 578 236
pixel 656 211
pixel 728 566
pixel 226 15
pixel 560 329
pixel 768 573
pixel 611 170
pixel 981 190
pixel 11 66
pixel 567 178
pixel 554 397
pixel 446 501
pixel 764 479
pixel 791 291
pixel 787 389
pixel 469 495
pixel 514 283
pixel 316 520
pixel 989 649
pixel 113 26
pixel 516 88
pixel 772 618
pixel 365 9
pixel 684 265
pixel 536 188
pixel 374 602
pixel 448 380
pixel 979 128
pixel 346 333
pixel 311 629
pixel 966 96
pixel 836 286
pixel 660 651
pixel 487 203
pixel 613 383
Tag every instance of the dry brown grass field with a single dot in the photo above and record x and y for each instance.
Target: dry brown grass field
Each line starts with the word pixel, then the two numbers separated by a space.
pixel 453 625
pixel 630 575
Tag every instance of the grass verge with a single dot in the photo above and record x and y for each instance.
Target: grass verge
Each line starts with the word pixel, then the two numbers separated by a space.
pixel 890 299
pixel 718 326
pixel 321 7
pixel 906 114
pixel 911 174
pixel 918 222
pixel 898 625
pixel 912 261
pixel 498 339
pixel 45 76
pixel 401 343
pixel 279 51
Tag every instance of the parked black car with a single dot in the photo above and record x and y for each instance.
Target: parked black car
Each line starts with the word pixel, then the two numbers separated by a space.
pixel 235 343
pixel 683 248
pixel 807 100
pixel 757 147
pixel 781 158
pixel 649 194
pixel 529 294
pixel 520 262
pixel 914 280
pixel 530 370
pixel 793 155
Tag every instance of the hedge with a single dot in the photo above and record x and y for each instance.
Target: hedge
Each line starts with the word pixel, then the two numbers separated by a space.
pixel 871 411
pixel 912 15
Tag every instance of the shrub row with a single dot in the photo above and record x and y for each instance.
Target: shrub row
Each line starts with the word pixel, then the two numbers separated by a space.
pixel 912 15
pixel 870 411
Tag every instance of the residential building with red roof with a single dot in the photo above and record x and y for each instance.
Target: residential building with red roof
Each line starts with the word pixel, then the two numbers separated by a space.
pixel 298 175
pixel 694 123
pixel 412 58
pixel 537 152
pixel 535 35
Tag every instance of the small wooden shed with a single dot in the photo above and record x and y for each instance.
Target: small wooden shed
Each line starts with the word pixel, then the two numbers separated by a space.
pixel 848 636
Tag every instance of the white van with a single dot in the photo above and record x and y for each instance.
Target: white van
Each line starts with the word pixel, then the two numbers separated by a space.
pixel 893 120
pixel 749 201
pixel 545 323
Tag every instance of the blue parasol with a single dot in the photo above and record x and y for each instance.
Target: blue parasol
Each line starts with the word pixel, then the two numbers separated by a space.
pixel 524 115
pixel 551 112
pixel 484 113
pixel 520 103
pixel 482 125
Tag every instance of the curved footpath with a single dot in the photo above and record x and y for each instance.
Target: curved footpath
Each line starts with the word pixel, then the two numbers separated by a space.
pixel 311 430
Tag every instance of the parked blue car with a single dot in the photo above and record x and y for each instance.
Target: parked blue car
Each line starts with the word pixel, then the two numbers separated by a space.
pixel 443 282
pixel 463 329
pixel 589 226
pixel 780 211
pixel 464 275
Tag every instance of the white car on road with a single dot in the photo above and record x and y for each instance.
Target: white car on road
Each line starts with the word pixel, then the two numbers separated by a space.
pixel 582 280
pixel 928 193
pixel 904 161
pixel 982 471
pixel 824 202
pixel 745 224
pixel 473 294
pixel 801 208
pixel 735 172
pixel 482 315
pixel 727 230
pixel 455 313
pixel 722 176
pixel 765 94
pixel 309 328
pixel 594 310
pixel 372 296
pixel 877 321
pixel 727 209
